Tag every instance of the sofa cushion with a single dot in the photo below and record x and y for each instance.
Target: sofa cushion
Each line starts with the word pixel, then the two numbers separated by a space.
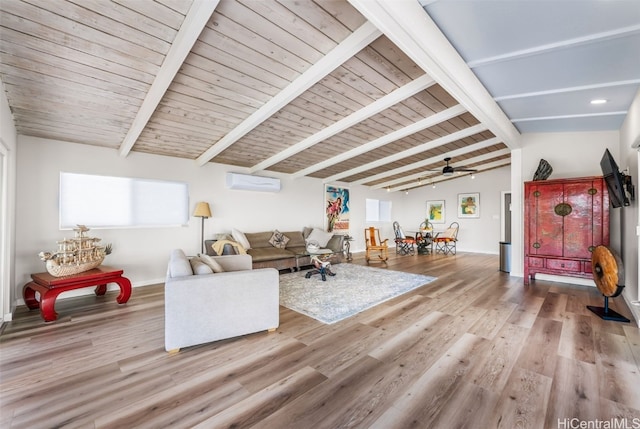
pixel 295 239
pixel 240 237
pixel 199 267
pixel 269 254
pixel 179 265
pixel 259 239
pixel 278 239
pixel 212 263
pixel 298 250
pixel 319 236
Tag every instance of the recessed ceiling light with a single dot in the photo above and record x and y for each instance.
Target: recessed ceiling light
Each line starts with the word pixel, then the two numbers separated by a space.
pixel 598 101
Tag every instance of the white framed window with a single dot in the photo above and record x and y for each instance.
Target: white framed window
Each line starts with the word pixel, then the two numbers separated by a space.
pixel 378 210
pixel 121 202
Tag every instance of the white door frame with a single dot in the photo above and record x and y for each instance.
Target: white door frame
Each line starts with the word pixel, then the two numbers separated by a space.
pixel 5 283
pixel 502 212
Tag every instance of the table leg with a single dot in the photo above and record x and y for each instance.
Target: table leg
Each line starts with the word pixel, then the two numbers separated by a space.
pixel 29 295
pixel 47 300
pixel 47 304
pixel 125 290
pixel 101 289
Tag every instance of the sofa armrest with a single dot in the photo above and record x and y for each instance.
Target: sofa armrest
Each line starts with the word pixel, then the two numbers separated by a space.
pixel 234 262
pixel 210 307
pixel 336 243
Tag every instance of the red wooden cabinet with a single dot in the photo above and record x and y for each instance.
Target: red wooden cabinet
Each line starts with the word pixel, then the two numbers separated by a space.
pixel 564 220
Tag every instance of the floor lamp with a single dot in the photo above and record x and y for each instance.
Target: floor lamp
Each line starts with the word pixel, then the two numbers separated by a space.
pixel 202 210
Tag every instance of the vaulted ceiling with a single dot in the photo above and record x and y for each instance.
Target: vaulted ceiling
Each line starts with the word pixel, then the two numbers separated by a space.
pixel 360 91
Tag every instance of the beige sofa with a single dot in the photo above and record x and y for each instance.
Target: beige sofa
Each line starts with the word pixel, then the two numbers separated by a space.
pixel 201 308
pixel 294 255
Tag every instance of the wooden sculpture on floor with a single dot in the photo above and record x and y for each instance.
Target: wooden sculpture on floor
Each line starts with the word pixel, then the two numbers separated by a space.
pixel 608 273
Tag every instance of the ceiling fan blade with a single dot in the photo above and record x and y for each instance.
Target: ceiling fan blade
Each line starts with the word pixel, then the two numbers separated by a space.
pixel 473 170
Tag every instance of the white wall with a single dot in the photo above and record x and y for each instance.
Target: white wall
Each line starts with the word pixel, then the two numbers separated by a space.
pixel 143 252
pixel 629 142
pixel 481 234
pixel 8 155
pixel 570 155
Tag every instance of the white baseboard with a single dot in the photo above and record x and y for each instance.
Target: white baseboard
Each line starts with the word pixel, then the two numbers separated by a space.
pixel 635 310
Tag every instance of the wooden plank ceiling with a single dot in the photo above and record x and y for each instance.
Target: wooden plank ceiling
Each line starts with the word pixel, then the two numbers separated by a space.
pixel 305 88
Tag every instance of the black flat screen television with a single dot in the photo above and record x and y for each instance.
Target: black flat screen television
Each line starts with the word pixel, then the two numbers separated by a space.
pixel 614 179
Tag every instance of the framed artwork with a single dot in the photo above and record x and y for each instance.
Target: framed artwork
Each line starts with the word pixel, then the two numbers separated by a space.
pixel 336 209
pixel 468 205
pixel 435 211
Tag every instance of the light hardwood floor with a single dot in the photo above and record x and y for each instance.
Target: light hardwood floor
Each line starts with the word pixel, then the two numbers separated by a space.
pixel 475 349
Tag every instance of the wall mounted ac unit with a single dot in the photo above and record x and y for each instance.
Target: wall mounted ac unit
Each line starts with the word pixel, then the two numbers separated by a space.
pixel 248 182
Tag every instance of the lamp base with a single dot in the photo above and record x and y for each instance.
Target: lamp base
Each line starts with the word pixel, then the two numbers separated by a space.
pixel 608 314
pixel 202 237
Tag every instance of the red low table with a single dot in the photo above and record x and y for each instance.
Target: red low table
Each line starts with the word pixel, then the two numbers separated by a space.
pixel 50 287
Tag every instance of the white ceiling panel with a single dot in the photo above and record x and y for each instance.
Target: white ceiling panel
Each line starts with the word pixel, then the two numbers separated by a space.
pixel 570 103
pixel 481 29
pixel 569 124
pixel 606 61
pixel 543 61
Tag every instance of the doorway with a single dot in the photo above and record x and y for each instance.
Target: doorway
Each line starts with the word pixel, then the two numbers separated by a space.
pixel 505 223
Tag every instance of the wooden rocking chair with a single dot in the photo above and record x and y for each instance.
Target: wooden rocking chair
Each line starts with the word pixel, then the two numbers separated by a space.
pixel 375 244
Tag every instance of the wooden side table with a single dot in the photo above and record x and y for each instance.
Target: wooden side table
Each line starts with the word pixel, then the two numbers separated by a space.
pixel 50 287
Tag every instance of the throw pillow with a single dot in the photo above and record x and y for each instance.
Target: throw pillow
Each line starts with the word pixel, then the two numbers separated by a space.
pixel 200 267
pixel 278 240
pixel 240 238
pixel 320 236
pixel 215 265
pixel 179 265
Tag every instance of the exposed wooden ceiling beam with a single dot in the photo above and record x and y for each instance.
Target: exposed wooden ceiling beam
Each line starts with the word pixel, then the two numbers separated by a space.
pixel 419 164
pixel 407 24
pixel 422 124
pixel 192 26
pixel 360 115
pixel 410 152
pixel 484 167
pixel 349 47
pixel 458 152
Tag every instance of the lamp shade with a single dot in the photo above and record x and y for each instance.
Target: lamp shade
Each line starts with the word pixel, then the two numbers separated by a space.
pixel 202 210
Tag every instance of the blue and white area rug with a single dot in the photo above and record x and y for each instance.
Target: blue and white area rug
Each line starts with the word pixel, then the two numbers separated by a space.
pixel 353 289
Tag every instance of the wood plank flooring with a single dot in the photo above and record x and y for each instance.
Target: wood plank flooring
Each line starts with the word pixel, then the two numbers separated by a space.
pixel 475 348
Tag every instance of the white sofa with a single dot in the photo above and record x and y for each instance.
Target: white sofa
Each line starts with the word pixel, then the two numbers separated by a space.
pixel 210 307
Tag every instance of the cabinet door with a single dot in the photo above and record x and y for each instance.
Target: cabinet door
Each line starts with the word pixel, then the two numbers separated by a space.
pixel 545 228
pixel 578 224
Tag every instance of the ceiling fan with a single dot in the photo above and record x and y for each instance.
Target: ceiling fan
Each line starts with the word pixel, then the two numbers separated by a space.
pixel 448 170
